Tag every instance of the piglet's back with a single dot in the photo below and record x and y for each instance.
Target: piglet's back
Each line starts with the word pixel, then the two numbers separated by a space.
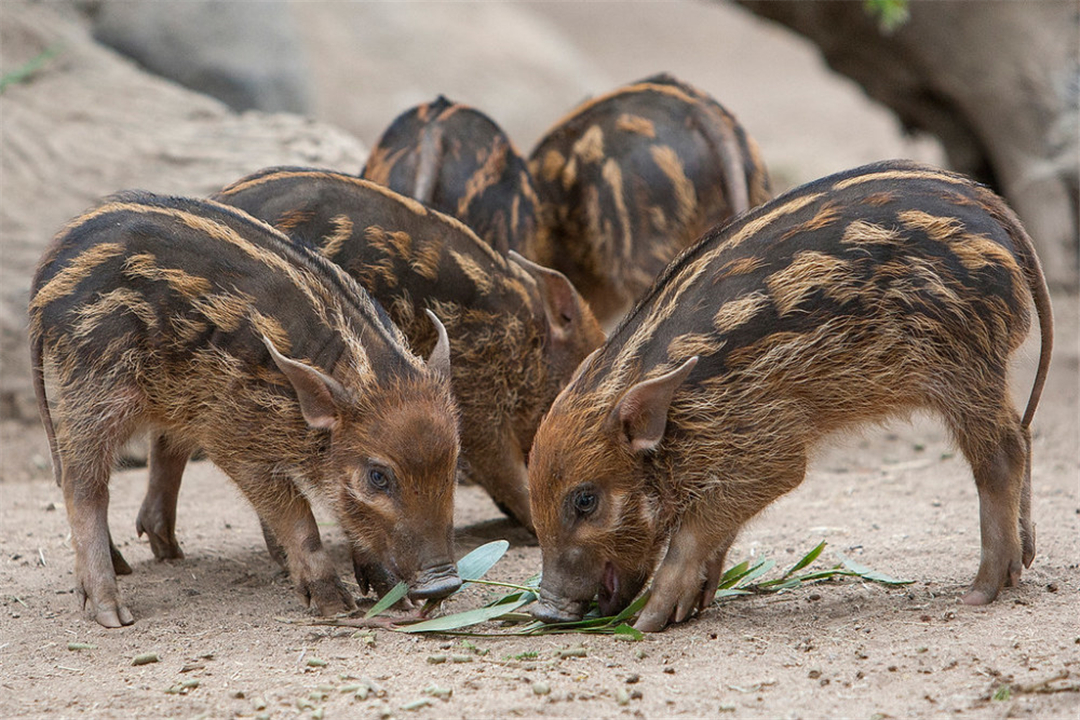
pixel 191 275
pixel 893 251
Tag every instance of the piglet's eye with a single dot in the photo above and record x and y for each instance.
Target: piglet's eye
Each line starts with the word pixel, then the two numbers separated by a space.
pixel 378 478
pixel 585 501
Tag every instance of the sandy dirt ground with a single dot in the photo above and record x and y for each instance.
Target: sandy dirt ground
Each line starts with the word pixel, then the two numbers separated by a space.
pixel 897 499
pixel 234 641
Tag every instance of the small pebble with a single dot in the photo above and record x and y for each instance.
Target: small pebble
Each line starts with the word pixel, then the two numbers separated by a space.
pixel 461 658
pixel 541 688
pixel 622 697
pixel 436 659
pixel 631 679
pixel 572 652
pixel 316 662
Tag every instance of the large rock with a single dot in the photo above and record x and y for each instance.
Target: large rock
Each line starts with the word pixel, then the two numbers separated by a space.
pixel 997 82
pixel 90 123
pixel 371 61
pixel 245 54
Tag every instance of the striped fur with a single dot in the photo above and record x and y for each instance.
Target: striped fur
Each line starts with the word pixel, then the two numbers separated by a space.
pixel 879 291
pixel 515 335
pixel 457 160
pixel 219 333
pixel 630 178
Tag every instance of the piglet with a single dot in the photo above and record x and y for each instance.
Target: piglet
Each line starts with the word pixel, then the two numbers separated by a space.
pixel 219 333
pixel 872 293
pixel 630 178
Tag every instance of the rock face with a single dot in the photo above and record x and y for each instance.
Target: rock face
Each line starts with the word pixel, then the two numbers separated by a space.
pixel 998 83
pixel 249 58
pixel 90 123
pixel 372 60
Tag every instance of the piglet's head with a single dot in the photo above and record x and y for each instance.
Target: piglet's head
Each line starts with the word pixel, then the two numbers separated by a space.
pixel 392 458
pixel 594 503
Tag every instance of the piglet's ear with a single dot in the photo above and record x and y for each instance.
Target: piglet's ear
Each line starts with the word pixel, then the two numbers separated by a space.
pixel 439 359
pixel 642 412
pixel 561 300
pixel 319 394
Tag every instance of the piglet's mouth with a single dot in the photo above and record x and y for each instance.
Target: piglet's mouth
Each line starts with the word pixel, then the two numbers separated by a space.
pixel 373 576
pixel 608 596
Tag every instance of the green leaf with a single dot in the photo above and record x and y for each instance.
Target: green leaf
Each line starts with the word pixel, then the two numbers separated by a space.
pixel 890 14
pixel 470 617
pixel 587 623
pixel 388 600
pixel 632 609
pixel 806 560
pixel 822 575
pixel 476 564
pixel 867 574
pixel 734 573
pixel 757 571
pixel 626 631
pixel 731 592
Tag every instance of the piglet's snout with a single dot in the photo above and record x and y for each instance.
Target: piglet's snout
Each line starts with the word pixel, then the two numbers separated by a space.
pixel 435 582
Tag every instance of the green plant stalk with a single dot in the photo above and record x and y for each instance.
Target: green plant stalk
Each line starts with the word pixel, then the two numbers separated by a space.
pixel 512 586
pixel 738 580
pixel 23 73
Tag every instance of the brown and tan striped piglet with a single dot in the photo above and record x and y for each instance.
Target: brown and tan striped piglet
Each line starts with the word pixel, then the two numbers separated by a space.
pixel 517 330
pixel 630 178
pixel 457 160
pixel 871 293
pixel 217 332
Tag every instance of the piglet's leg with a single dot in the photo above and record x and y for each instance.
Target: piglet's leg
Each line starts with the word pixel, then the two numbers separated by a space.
pixel 272 545
pixel 86 496
pixel 714 568
pixel 687 577
pixel 677 585
pixel 999 476
pixel 157 516
pixel 285 511
pixel 499 467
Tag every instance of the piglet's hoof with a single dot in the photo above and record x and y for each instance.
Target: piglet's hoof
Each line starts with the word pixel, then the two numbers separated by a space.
pixel 113 616
pixel 327 597
pixel 162 542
